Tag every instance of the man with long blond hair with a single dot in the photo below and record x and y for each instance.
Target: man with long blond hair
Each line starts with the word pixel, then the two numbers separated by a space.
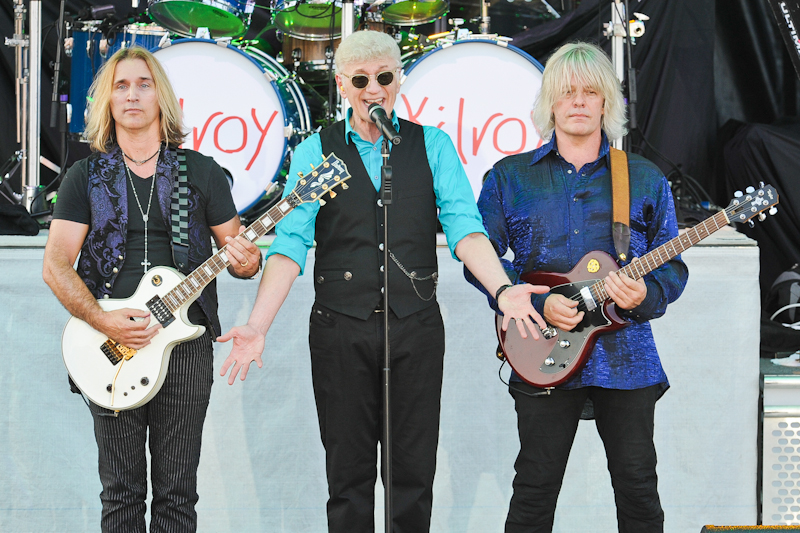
pixel 550 207
pixel 114 211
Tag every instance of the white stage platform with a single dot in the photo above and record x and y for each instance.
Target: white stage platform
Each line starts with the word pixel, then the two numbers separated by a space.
pixel 262 463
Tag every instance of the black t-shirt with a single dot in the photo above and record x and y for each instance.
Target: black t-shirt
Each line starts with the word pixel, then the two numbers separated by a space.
pixel 204 175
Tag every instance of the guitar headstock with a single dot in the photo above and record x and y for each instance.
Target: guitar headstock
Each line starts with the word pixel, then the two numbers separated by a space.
pixel 321 180
pixel 752 203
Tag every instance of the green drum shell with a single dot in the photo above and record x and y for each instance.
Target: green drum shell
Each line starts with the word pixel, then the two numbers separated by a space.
pixel 414 12
pixel 223 18
pixel 310 20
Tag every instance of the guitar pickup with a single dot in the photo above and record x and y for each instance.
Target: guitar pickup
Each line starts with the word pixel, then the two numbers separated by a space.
pixel 116 352
pixel 160 311
pixel 588 299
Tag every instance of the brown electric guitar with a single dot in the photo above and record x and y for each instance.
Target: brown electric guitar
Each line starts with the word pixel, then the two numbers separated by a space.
pixel 558 354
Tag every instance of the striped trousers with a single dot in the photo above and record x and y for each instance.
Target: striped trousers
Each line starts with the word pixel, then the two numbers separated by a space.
pixel 174 419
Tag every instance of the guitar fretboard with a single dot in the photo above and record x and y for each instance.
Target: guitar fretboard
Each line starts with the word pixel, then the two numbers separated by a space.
pixel 641 266
pixel 195 282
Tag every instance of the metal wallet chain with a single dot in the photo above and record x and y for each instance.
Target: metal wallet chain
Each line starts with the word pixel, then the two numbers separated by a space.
pixel 413 277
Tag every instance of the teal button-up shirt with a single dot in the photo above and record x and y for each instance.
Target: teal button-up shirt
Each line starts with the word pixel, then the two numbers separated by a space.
pixel 458 212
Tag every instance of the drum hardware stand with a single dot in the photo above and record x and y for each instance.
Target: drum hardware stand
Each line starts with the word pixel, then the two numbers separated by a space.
pixel 550 9
pixel 348 22
pixel 28 58
pixel 484 27
pixel 618 30
pixel 9 168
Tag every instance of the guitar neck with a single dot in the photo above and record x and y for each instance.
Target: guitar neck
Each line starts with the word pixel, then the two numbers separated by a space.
pixel 641 266
pixel 195 282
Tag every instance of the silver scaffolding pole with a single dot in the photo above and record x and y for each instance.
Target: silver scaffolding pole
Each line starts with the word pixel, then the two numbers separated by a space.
pixel 32 178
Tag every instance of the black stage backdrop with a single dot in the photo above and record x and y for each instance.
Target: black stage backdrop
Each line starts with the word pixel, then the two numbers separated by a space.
pixel 700 64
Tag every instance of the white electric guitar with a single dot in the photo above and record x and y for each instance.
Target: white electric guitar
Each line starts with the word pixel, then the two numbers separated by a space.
pixel 117 377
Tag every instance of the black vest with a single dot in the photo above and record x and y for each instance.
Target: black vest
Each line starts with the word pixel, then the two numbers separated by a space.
pixel 349 231
pixel 103 252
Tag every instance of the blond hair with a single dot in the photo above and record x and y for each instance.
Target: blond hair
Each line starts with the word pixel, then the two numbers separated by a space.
pixel 589 67
pixel 100 124
pixel 364 46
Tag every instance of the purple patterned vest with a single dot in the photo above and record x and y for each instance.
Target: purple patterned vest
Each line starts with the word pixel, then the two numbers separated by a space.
pixel 103 252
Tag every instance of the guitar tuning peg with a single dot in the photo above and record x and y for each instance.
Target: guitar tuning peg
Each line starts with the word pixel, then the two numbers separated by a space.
pixel 300 174
pixel 332 194
pixel 751 223
pixel 773 210
pixel 738 194
pixel 760 184
pixel 750 190
pixel 761 217
pixel 321 201
pixel 345 186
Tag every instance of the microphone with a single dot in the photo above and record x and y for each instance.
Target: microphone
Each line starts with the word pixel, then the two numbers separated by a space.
pixel 378 115
pixel 97 12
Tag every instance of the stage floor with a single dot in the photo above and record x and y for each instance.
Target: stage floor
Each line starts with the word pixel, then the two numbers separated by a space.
pixel 262 466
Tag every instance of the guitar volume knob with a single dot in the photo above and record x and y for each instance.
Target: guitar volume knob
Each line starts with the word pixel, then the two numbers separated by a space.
pixel 549 332
pixel 564 344
pixel 549 361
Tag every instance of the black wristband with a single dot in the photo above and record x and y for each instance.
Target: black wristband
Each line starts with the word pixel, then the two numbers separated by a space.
pixel 500 291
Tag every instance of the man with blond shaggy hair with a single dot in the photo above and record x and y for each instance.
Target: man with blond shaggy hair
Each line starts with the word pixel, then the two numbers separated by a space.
pixel 550 207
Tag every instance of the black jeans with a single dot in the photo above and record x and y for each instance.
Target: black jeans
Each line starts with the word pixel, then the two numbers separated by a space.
pixel 547 426
pixel 174 420
pixel 346 364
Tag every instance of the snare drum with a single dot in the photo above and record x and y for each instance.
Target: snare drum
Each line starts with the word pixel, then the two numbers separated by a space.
pixel 312 20
pixel 239 109
pixel 480 93
pixel 223 18
pixel 413 12
pixel 89 50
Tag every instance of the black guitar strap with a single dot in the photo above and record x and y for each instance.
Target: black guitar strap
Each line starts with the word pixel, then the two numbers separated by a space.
pixel 180 215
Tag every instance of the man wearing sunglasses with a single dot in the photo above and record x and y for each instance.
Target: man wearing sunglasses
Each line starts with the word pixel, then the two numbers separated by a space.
pixel 346 325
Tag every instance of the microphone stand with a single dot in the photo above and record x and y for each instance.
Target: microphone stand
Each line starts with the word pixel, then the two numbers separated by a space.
pixel 54 104
pixel 386 446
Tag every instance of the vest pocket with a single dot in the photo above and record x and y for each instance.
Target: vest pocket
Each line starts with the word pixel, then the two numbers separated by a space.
pixel 328 276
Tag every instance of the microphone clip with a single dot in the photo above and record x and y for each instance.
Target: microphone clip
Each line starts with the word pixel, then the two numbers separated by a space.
pixel 378 115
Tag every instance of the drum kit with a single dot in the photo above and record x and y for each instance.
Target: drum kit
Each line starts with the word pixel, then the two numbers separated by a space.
pixel 249 108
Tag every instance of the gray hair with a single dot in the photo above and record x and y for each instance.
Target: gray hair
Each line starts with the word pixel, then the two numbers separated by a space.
pixel 364 46
pixel 590 67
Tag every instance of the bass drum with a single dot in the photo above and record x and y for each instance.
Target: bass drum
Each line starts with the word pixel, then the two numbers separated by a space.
pixel 240 109
pixel 488 117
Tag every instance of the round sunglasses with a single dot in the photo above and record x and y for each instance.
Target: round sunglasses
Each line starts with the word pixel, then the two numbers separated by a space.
pixel 360 81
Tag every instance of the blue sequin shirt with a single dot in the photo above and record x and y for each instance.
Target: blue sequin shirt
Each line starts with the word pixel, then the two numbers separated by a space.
pixel 550 214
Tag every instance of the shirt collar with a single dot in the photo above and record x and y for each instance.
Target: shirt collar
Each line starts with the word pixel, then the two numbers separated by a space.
pixel 552 146
pixel 348 129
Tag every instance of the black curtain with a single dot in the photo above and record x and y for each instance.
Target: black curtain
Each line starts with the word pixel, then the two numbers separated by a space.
pixel 701 65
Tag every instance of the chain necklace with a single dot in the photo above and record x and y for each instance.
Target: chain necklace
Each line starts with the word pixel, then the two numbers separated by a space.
pixel 143 161
pixel 145 216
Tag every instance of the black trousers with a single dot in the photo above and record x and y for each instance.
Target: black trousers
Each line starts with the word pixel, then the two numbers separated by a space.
pixel 174 419
pixel 346 363
pixel 547 426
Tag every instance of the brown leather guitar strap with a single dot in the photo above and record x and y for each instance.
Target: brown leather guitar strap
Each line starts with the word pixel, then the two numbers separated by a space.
pixel 621 202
